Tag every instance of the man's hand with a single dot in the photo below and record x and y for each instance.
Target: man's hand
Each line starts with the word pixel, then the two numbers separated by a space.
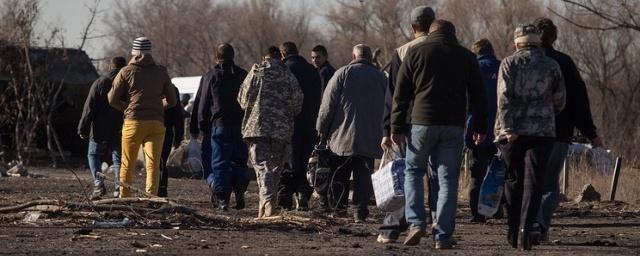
pixel 397 139
pixel 597 142
pixel 511 137
pixel 478 138
pixel 83 136
pixel 386 143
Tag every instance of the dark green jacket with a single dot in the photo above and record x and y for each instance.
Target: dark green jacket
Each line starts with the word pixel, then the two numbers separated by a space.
pixel 437 75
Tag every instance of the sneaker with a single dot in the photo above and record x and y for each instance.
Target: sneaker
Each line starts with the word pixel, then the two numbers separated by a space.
pixel 443 245
pixel 384 240
pixel 116 193
pixel 98 192
pixel 414 236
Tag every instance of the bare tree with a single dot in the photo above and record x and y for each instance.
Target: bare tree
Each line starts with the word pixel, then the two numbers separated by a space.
pixel 608 58
pixel 32 96
pixel 185 33
pixel 615 15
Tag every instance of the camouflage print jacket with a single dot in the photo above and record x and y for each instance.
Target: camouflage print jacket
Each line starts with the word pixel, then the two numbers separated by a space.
pixel 270 97
pixel 530 93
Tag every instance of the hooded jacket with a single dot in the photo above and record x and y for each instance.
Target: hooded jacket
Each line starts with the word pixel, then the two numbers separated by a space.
pixel 271 98
pixel 352 110
pixel 530 93
pixel 143 90
pixel 99 120
pixel 489 67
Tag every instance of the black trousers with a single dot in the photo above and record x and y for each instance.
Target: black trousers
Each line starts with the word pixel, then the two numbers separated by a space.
pixel 338 194
pixel 525 159
pixel 164 173
pixel 480 158
pixel 294 179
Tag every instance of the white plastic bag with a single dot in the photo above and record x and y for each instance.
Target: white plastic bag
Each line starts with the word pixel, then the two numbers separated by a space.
pixel 192 162
pixel 388 183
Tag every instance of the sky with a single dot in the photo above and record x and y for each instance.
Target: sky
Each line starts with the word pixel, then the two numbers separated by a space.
pixel 73 15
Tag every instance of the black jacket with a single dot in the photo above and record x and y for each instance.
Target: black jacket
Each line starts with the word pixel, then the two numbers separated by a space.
pixel 309 82
pixel 217 103
pixel 437 75
pixel 326 72
pixel 174 122
pixel 577 112
pixel 99 120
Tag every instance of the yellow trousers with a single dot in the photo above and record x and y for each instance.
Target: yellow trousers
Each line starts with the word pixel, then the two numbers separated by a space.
pixel 150 134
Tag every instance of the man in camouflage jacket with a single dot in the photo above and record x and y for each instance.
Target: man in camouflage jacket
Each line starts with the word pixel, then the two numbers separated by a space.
pixel 271 98
pixel 530 93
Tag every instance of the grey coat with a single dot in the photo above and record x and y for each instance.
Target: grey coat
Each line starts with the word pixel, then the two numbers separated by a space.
pixel 352 110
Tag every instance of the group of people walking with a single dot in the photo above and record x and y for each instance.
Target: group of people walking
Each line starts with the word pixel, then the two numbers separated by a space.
pixel 436 98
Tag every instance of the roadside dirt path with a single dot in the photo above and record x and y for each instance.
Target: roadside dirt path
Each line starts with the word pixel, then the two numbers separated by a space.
pixel 609 228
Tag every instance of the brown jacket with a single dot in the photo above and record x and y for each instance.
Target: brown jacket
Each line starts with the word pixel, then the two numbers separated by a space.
pixel 142 90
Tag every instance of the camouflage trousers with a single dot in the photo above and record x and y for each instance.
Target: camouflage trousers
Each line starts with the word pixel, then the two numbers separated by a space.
pixel 267 156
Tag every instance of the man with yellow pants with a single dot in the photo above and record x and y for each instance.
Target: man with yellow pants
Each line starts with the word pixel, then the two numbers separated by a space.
pixel 143 90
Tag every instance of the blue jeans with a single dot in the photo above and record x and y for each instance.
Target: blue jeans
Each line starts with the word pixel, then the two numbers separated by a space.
pixel 96 154
pixel 441 146
pixel 551 188
pixel 229 155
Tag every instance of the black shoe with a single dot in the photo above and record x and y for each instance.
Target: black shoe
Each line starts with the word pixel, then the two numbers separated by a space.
pixel 525 240
pixel 478 219
pixel 162 192
pixel 303 203
pixel 359 218
pixel 512 238
pixel 536 231
pixel 240 204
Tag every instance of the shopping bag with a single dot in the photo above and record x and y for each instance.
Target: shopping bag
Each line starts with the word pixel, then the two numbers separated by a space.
pixel 388 183
pixel 192 161
pixel 492 187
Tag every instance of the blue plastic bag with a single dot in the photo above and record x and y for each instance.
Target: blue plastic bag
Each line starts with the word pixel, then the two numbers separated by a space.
pixel 492 187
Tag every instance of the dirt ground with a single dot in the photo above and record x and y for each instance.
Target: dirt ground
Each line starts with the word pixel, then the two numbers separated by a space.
pixel 608 228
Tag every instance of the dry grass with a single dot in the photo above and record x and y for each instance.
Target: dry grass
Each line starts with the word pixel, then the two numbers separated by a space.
pixel 580 174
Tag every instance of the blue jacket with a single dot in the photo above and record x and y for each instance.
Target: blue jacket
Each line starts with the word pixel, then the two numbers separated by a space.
pixel 489 66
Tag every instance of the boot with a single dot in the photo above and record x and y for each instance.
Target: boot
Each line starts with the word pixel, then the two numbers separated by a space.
pixel 512 237
pixel 260 210
pixel 214 199
pixel 98 191
pixel 239 190
pixel 268 209
pixel 303 202
pixel 240 204
pixel 525 240
pixel 223 199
